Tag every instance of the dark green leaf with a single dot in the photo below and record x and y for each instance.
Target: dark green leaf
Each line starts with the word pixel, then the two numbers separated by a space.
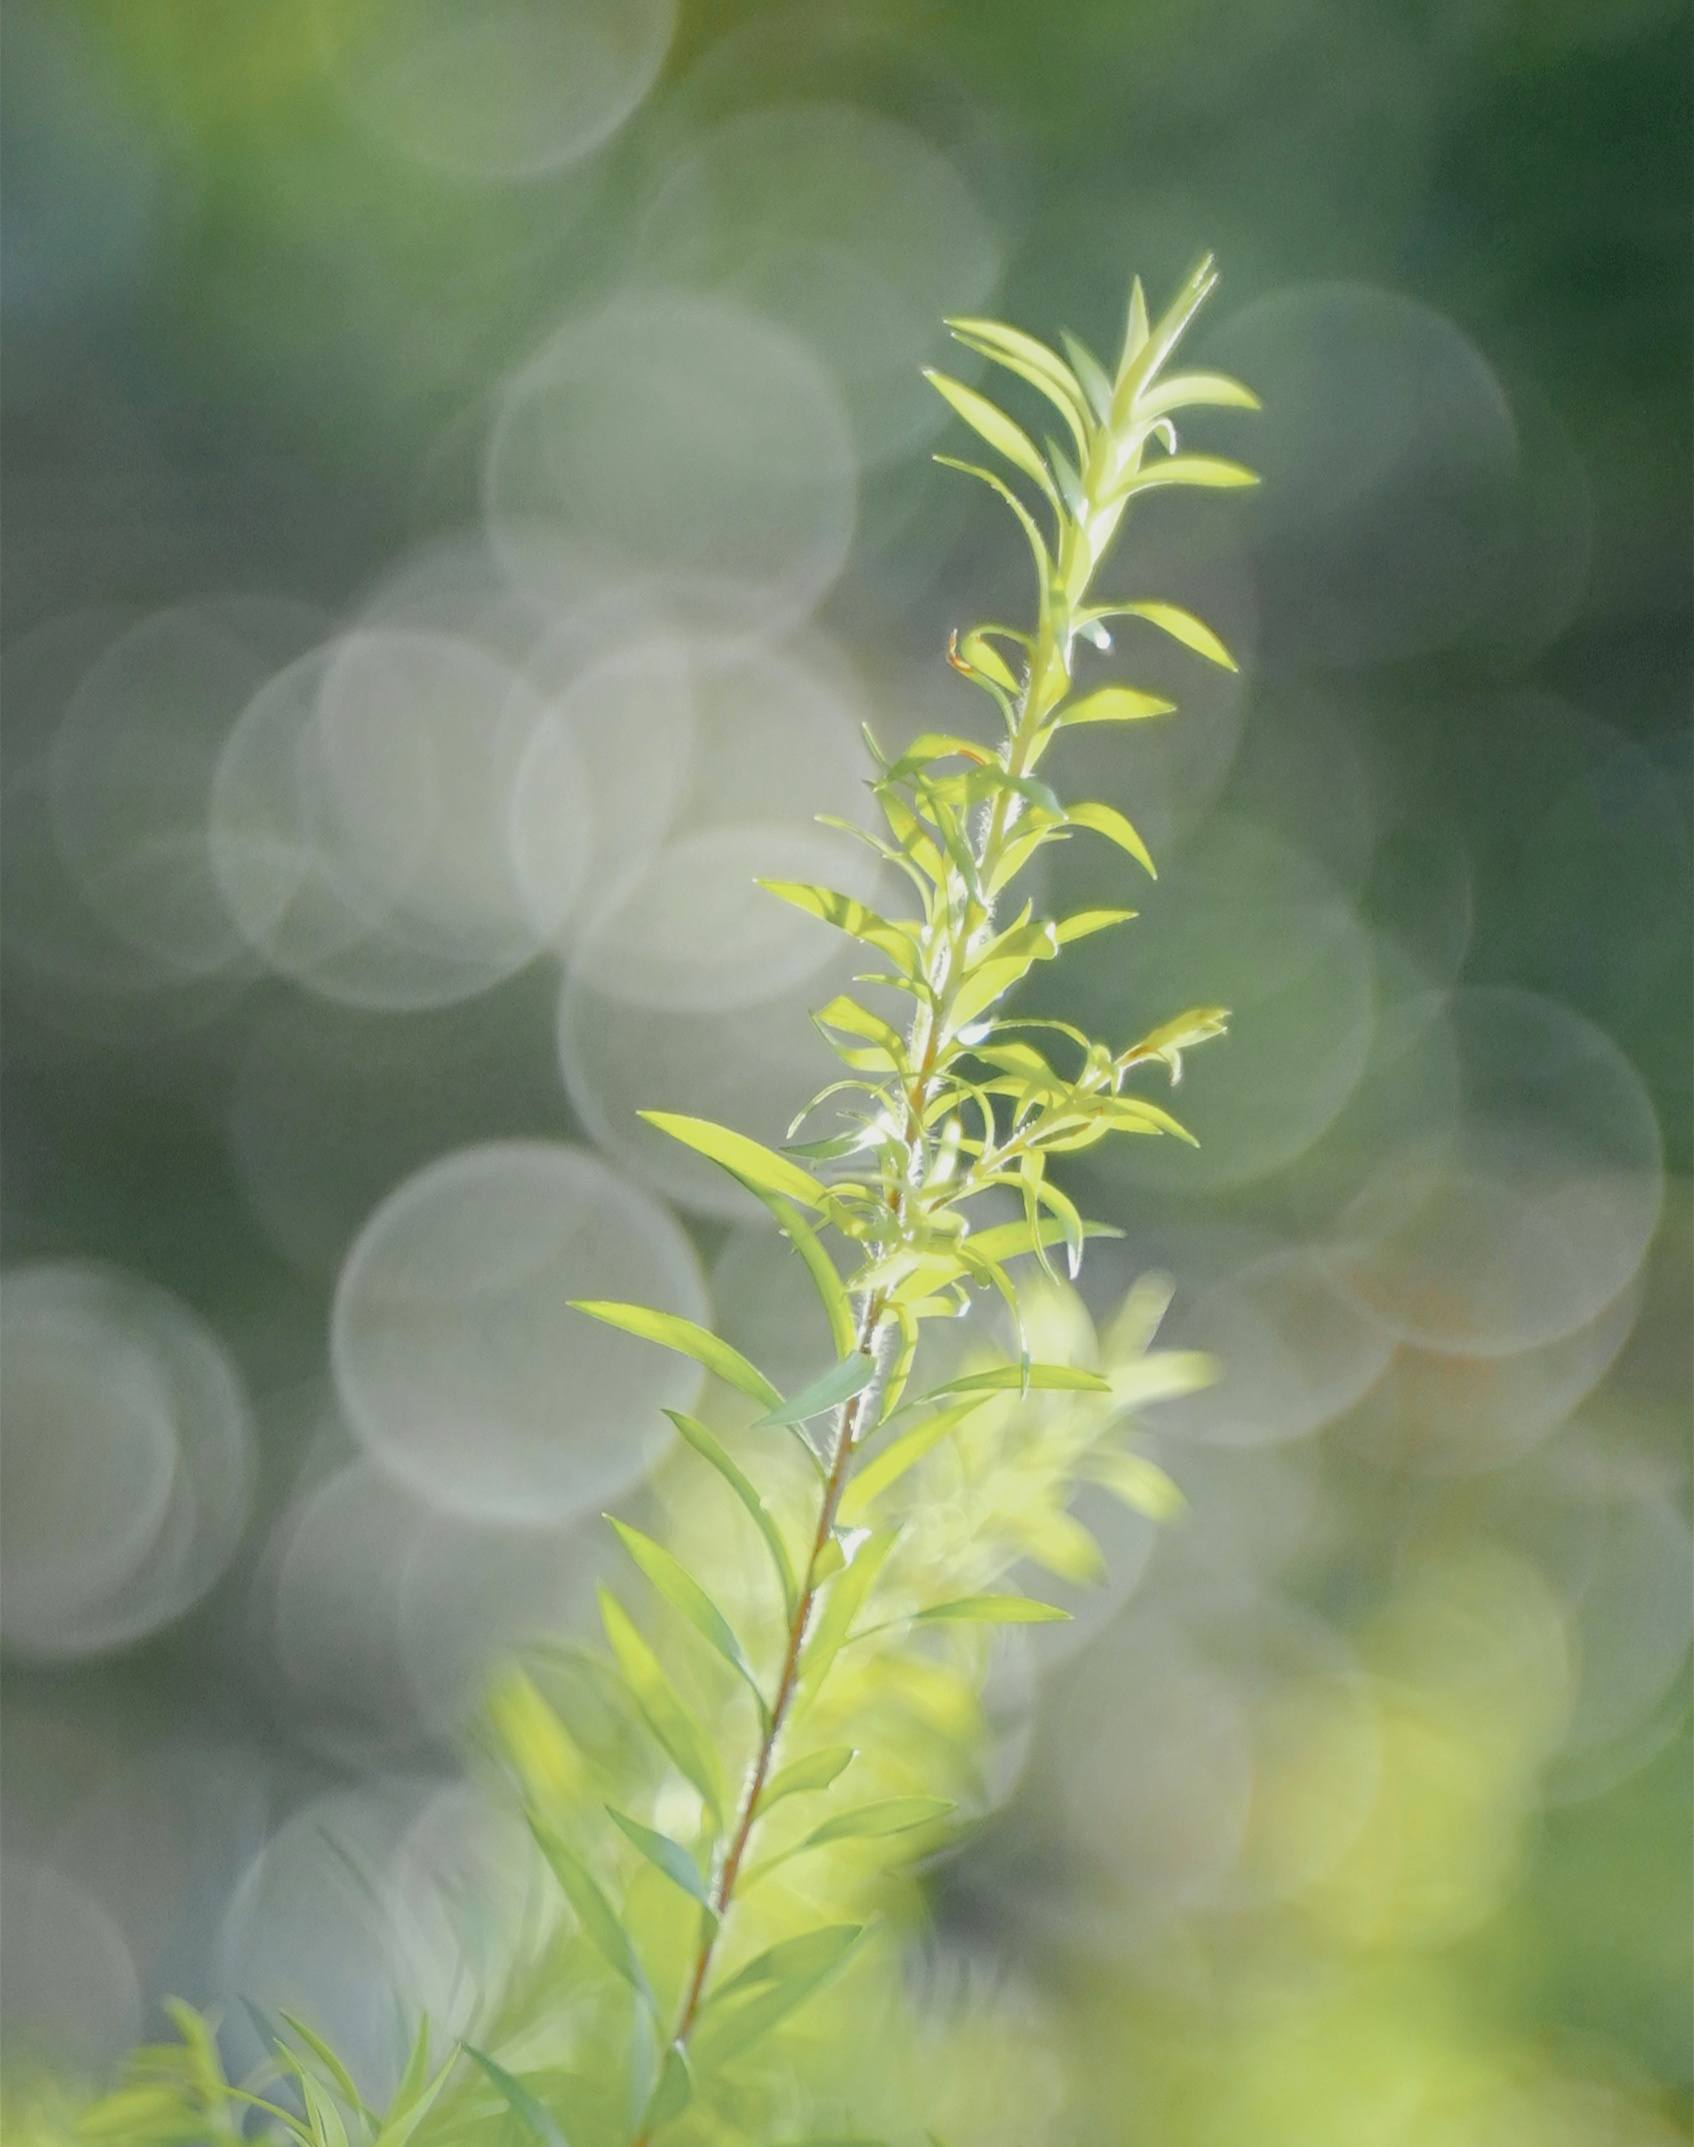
pixel 840 1383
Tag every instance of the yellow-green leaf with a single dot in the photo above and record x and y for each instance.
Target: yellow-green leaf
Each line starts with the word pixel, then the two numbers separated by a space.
pixel 666 1856
pixel 600 1923
pixel 1092 920
pixel 756 1166
pixel 672 1725
pixel 1108 821
pixel 1183 391
pixel 688 1339
pixel 1170 619
pixel 992 423
pixel 1114 704
pixel 802 1776
pixel 684 1593
pixel 1212 472
pixel 710 1449
pixel 995 1610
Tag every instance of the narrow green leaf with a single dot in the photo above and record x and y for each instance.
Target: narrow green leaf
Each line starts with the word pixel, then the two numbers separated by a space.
pixel 993 425
pixel 1141 1484
pixel 666 1856
pixel 1091 373
pixel 1092 920
pixel 842 1602
pixel 1108 821
pixel 711 1450
pixel 770 1988
pixel 1133 1114
pixel 794 1960
pixel 539 2126
pixel 1026 521
pixel 322 2116
pixel 857 919
pixel 1114 704
pixel 684 1593
pixel 995 1610
pixel 339 2077
pixel 1006 1240
pixel 1141 365
pixel 1184 391
pixel 832 1295
pixel 599 1921
pixel 673 2093
pixel 840 1383
pixel 1033 362
pixel 888 1815
pixel 930 746
pixel 1211 472
pixel 1171 619
pixel 901 1454
pixel 751 1161
pixel 802 1776
pixel 1037 1378
pixel 688 1339
pixel 675 1729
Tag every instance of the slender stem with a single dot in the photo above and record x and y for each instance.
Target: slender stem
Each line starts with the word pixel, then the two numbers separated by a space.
pixel 1049 661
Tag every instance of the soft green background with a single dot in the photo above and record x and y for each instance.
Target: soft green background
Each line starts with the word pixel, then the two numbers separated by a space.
pixel 1364 1815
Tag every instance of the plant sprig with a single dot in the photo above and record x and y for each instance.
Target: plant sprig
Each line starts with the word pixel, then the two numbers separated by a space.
pixel 945 1102
pixel 958 1103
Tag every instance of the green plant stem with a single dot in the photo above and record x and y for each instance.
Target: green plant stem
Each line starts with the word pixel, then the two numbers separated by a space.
pixel 1046 681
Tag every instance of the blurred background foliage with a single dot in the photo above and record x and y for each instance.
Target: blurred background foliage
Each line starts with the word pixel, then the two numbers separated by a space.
pixel 466 484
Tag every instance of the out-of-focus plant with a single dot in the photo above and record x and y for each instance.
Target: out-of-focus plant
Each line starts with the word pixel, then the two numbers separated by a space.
pixel 729 1797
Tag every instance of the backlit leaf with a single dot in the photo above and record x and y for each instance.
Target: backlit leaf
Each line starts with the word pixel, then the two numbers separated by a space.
pixel 803 1776
pixel 599 1921
pixel 1037 1378
pixel 540 2128
pixel 993 425
pixel 994 1610
pixel 1108 821
pixel 1114 704
pixel 710 1449
pixel 888 1815
pixel 672 1725
pixel 1212 472
pixel 688 1339
pixel 1184 391
pixel 749 1160
pixel 665 1855
pixel 684 1593
pixel 1171 619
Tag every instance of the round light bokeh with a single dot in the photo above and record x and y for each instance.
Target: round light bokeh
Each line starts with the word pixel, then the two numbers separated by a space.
pixel 457 1359
pixel 132 765
pixel 689 440
pixel 1522 1215
pixel 845 225
pixel 368 812
pixel 750 1068
pixel 511 90
pixel 128 1458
